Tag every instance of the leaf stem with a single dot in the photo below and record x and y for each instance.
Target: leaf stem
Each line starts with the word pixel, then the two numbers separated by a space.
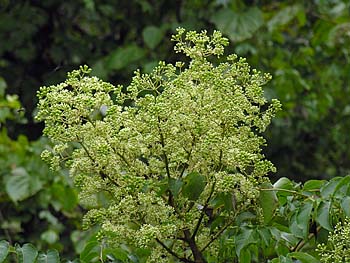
pixel 102 174
pixel 284 190
pixel 203 211
pixel 173 253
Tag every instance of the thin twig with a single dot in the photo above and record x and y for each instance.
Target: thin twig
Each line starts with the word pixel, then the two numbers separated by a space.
pixel 303 242
pixel 284 190
pixel 203 211
pixel 162 141
pixel 217 235
pixel 173 253
pixel 189 155
pixel 94 162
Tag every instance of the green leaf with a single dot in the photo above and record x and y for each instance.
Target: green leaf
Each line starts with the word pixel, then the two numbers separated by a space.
pixel 66 196
pixel 175 186
pixel 303 257
pixel 245 256
pixel 265 235
pixel 268 202
pixel 91 252
pixel 283 17
pixel 345 205
pixel 338 34
pixel 283 259
pixel 243 240
pixel 99 69
pixel 4 250
pixel 283 183
pixel 152 36
pixel 50 257
pixel 149 66
pixel 303 217
pixel 313 185
pixel 117 253
pixel 194 184
pixel 328 189
pixel 294 227
pixel 290 238
pixel 341 190
pixel 122 57
pixel 49 236
pixel 238 25
pixel 323 215
pixel 3 86
pixel 27 253
pixel 20 185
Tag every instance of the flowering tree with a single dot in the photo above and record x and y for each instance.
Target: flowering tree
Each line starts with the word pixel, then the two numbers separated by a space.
pixel 175 156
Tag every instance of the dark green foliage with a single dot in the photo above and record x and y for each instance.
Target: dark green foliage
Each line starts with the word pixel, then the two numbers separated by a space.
pixel 36 204
pixel 304 44
pixel 26 254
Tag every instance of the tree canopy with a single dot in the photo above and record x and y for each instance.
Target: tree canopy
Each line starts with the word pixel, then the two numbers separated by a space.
pixel 302 44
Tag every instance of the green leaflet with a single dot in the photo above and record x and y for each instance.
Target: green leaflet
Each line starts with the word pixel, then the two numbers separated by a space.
pixel 50 257
pixel 26 254
pixel 194 184
pixel 4 250
pixel 268 201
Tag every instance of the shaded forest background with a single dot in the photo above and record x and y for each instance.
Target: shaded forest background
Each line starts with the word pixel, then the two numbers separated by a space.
pixel 303 44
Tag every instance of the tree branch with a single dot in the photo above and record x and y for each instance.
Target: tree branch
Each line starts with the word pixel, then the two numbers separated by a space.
pixel 173 253
pixel 203 211
pixel 196 252
pixel 102 174
pixel 162 142
pixel 217 235
pixel 189 154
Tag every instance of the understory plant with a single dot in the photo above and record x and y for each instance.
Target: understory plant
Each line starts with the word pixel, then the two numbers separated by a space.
pixel 30 193
pixel 169 167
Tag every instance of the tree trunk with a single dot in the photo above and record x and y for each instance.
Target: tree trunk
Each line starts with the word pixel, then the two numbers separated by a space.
pixel 197 254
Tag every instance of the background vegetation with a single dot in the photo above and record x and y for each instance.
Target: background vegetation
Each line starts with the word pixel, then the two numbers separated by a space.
pixel 303 44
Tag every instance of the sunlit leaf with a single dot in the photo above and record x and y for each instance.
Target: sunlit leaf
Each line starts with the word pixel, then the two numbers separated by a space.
pixel 313 185
pixel 50 257
pixel 27 253
pixel 4 250
pixel 283 183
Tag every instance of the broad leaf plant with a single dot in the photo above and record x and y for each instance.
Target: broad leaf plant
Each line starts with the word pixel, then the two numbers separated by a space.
pixel 172 162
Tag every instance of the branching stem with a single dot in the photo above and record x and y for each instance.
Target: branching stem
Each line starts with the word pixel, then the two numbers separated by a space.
pixel 94 162
pixel 203 211
pixel 171 252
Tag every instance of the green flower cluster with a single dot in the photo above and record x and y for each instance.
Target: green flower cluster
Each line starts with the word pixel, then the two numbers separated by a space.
pixel 165 151
pixel 337 248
